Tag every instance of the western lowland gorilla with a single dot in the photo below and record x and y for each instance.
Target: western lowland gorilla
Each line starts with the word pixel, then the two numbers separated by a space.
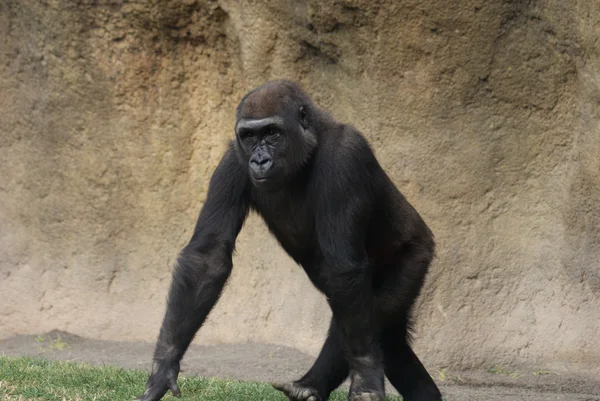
pixel 324 196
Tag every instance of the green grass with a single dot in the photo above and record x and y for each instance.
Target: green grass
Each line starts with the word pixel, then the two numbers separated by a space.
pixel 41 380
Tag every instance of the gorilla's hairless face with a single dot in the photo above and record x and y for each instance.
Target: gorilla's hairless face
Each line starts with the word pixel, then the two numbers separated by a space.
pixel 273 135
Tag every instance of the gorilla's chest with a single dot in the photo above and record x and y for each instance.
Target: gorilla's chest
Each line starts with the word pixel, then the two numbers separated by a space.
pixel 290 218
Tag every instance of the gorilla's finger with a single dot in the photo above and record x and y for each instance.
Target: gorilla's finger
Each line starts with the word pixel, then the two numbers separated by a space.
pixel 285 388
pixel 152 394
pixel 174 388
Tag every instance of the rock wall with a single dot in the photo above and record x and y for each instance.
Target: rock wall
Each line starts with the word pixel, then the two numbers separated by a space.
pixel 113 115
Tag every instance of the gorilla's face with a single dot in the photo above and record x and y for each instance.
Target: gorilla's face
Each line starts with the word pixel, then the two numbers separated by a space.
pixel 273 137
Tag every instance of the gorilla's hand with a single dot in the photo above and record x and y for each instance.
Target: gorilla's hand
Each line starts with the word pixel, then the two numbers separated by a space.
pixel 162 379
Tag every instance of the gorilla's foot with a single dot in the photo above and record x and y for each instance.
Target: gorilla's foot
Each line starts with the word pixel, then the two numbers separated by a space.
pixel 298 392
pixel 366 397
pixel 368 383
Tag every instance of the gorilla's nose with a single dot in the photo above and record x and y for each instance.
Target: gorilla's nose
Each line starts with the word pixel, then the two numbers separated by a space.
pixel 260 164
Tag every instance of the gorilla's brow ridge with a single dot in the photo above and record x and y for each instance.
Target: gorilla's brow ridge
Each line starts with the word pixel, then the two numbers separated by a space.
pixel 255 123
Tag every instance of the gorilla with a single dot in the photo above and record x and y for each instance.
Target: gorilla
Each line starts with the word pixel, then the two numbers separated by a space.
pixel 322 193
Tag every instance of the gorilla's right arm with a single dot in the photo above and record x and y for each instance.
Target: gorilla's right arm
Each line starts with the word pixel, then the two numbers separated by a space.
pixel 202 269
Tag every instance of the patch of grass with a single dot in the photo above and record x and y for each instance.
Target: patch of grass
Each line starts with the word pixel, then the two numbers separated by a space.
pixel 542 372
pixel 49 344
pixel 31 379
pixel 444 376
pixel 499 370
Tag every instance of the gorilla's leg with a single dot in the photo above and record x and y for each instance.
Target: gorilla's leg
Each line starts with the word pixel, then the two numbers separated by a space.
pixel 402 367
pixel 331 367
pixel 397 288
pixel 327 373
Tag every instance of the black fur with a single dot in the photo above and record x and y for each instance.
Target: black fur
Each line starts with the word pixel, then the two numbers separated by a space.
pixel 324 196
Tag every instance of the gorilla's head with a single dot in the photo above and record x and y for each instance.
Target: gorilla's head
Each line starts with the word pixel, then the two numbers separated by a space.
pixel 274 134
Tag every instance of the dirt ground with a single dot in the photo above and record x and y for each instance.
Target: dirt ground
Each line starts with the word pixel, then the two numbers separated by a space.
pixel 264 362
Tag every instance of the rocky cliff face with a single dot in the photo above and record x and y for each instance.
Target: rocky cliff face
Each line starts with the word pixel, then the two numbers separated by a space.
pixel 114 114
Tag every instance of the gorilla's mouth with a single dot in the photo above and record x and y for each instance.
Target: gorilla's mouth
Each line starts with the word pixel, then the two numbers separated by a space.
pixel 265 183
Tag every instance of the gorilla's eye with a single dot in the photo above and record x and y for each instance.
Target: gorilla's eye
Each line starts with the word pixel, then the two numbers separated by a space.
pixel 246 134
pixel 273 134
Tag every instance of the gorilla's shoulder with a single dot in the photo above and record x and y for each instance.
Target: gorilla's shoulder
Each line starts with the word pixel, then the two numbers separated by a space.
pixel 346 149
pixel 350 142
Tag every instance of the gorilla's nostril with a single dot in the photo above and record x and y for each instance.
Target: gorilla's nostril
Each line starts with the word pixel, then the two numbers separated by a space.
pixel 264 161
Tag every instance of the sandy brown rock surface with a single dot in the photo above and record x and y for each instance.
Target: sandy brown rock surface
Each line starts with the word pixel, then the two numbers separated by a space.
pixel 486 114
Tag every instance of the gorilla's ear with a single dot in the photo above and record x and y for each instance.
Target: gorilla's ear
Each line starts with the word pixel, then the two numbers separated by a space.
pixel 303 118
pixel 310 139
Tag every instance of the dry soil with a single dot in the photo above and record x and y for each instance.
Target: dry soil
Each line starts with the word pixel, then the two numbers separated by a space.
pixel 265 362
